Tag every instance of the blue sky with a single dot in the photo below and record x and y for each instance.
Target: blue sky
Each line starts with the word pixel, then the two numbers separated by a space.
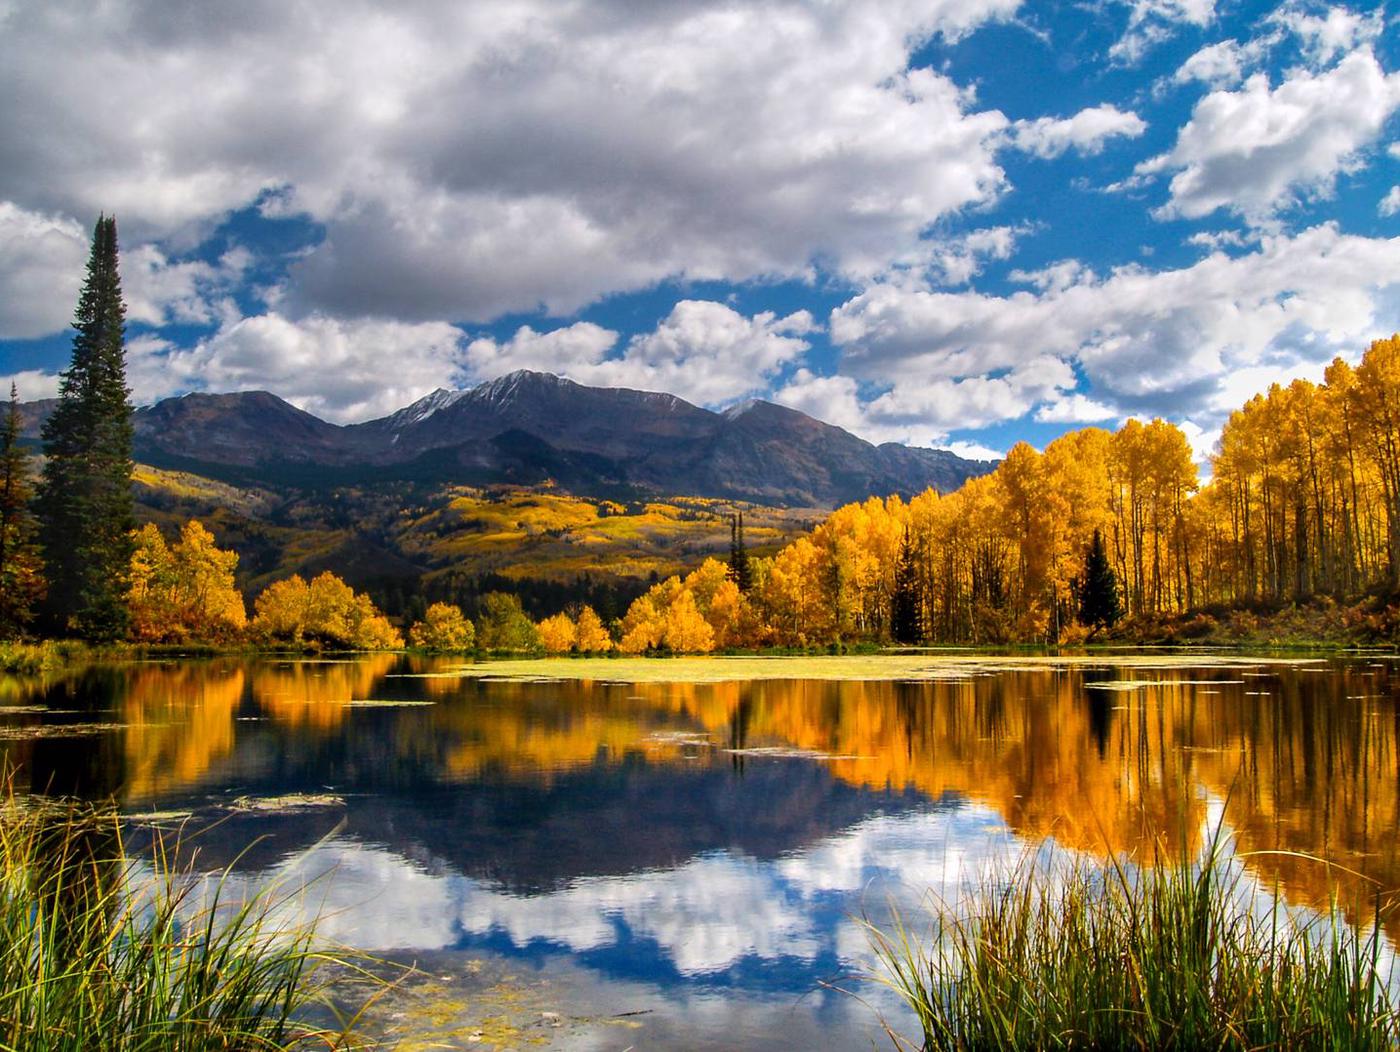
pixel 950 222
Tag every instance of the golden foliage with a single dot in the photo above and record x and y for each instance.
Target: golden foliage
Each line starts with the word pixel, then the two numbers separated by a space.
pixel 558 634
pixel 592 637
pixel 327 612
pixel 444 627
pixel 184 591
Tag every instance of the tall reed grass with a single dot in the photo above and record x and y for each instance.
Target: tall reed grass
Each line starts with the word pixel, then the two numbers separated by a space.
pixel 97 952
pixel 1179 954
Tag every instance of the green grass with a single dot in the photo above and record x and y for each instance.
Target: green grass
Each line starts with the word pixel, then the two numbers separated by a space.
pixel 47 656
pixel 100 951
pixel 1178 955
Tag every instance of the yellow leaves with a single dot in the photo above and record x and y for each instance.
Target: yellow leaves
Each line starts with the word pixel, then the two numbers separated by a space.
pixel 686 630
pixel 558 634
pixel 590 635
pixel 326 611
pixel 184 591
pixel 444 627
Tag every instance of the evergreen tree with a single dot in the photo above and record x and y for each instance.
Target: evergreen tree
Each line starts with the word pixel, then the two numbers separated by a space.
pixel 740 572
pixel 1099 602
pixel 21 569
pixel 85 504
pixel 907 617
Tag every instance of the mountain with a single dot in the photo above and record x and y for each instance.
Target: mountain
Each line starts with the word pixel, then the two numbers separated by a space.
pixel 529 428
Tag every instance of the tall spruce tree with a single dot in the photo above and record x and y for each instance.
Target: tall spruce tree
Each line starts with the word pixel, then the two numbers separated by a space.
pixel 1099 602
pixel 21 568
pixel 85 504
pixel 907 615
pixel 740 572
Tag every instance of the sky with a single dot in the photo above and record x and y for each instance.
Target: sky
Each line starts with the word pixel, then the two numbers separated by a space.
pixel 952 223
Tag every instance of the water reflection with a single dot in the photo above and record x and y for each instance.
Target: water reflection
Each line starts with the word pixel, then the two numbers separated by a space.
pixel 724 833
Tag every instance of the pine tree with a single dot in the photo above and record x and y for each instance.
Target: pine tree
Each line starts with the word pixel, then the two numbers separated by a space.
pixel 907 615
pixel 85 504
pixel 21 568
pixel 1099 603
pixel 740 572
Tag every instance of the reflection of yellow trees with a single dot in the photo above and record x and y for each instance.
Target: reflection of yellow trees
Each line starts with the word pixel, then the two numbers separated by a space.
pixel 314 693
pixel 179 722
pixel 1306 772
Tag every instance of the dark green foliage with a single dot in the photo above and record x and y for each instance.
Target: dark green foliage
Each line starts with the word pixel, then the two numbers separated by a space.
pixel 21 568
pixel 85 503
pixel 1099 603
pixel 740 572
pixel 907 615
pixel 502 624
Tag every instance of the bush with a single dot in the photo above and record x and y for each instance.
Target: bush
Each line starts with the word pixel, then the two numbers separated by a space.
pixel 443 628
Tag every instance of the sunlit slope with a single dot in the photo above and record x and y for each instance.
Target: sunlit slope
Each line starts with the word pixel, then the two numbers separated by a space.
pixel 399 531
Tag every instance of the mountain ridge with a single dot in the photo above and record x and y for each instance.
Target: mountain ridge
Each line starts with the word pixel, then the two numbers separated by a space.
pixel 530 428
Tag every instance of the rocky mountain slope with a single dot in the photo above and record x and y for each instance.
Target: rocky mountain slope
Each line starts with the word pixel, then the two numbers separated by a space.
pixel 530 428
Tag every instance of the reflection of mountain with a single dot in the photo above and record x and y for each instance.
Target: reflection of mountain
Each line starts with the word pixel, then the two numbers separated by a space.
pixel 550 781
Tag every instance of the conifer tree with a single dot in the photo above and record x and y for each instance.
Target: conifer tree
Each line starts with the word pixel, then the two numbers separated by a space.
pixel 85 504
pixel 21 568
pixel 907 617
pixel 740 572
pixel 1099 602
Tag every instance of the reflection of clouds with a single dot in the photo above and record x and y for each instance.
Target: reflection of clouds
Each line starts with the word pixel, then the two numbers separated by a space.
pixel 719 910
pixel 705 916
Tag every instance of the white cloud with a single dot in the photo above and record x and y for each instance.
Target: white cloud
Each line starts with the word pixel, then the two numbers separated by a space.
pixel 1260 149
pixel 702 351
pixel 158 291
pixel 1150 22
pixel 1224 64
pixel 342 371
pixel 563 351
pixel 1085 132
pixel 1218 239
pixel 31 385
pixel 923 412
pixel 1340 31
pixel 471 160
pixel 1158 342
pixel 1390 203
pixel 42 260
pixel 1075 409
pixel 974 451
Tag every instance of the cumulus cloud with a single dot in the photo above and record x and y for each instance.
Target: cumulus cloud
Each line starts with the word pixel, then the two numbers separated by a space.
pixel 159 291
pixel 1390 203
pixel 1338 32
pixel 30 385
pixel 340 370
pixel 1259 149
pixel 703 351
pixel 1224 64
pixel 1075 409
pixel 1148 341
pixel 41 270
pixel 471 160
pixel 1086 132
pixel 923 412
pixel 1150 22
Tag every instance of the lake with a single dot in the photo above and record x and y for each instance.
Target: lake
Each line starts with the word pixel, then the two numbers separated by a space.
pixel 620 854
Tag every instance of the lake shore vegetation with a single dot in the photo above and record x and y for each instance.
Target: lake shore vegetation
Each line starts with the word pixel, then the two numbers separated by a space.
pixel 99 949
pixel 1180 953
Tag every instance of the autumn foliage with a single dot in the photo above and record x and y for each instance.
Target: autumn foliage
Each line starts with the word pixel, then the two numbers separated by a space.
pixel 183 591
pixel 1304 500
pixel 325 612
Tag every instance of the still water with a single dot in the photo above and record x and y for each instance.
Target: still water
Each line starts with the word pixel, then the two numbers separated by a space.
pixel 597 863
